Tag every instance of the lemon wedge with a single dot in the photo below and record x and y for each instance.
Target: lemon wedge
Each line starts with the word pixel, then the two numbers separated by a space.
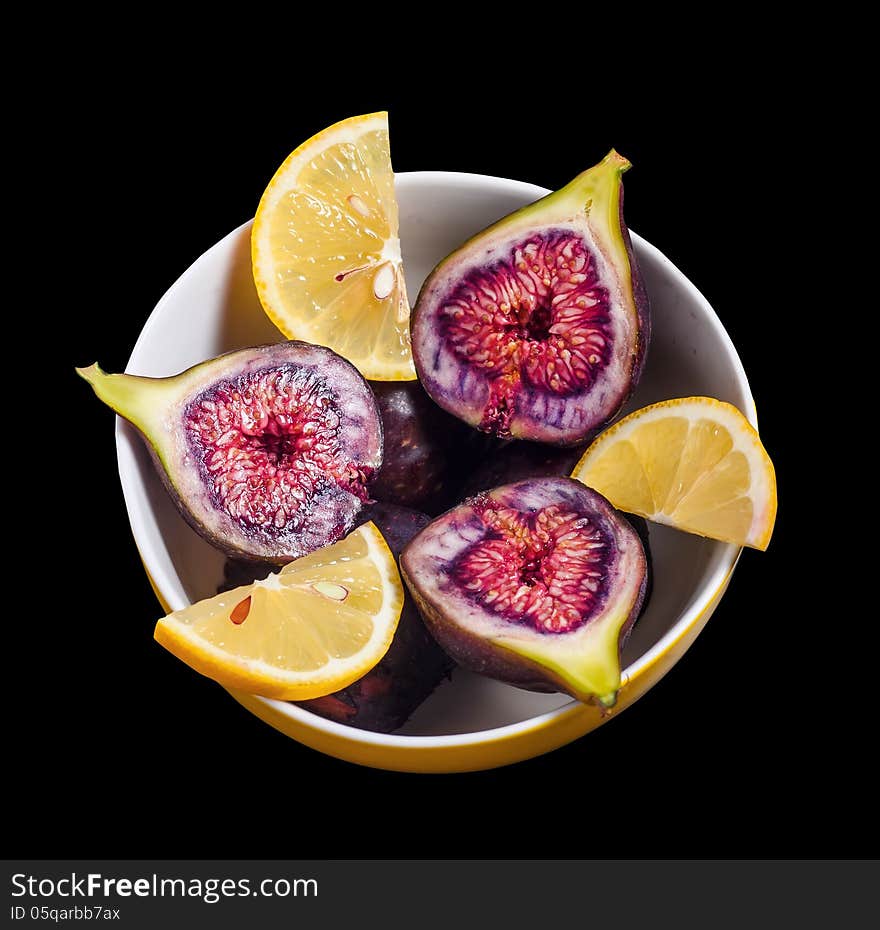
pixel 326 253
pixel 694 463
pixel 317 626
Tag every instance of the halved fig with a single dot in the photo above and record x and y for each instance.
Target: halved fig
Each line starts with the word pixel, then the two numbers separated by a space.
pixel 268 452
pixel 516 461
pixel 537 327
pixel 536 583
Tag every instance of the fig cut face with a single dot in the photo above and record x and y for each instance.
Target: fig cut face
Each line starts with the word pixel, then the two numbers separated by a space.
pixel 535 583
pixel 267 451
pixel 537 327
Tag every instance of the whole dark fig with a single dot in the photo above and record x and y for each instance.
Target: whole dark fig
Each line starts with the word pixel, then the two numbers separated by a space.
pixel 536 583
pixel 514 461
pixel 420 446
pixel 268 452
pixel 537 327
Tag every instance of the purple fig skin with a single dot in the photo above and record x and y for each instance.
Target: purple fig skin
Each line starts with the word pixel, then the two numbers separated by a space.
pixel 538 327
pixel 643 310
pixel 459 623
pixel 516 461
pixel 420 442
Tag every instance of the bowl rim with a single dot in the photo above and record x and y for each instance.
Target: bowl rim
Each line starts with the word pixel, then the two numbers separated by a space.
pixel 704 599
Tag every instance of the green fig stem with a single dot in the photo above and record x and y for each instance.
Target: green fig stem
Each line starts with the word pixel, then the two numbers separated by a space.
pixel 133 397
pixel 607 701
pixel 616 161
pixel 598 190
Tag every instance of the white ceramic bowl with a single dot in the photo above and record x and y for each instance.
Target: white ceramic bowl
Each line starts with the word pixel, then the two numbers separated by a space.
pixel 469 722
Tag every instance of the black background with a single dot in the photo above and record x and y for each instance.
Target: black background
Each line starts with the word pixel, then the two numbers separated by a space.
pixel 145 758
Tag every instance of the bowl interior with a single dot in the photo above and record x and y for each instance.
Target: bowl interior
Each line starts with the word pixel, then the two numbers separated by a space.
pixel 214 307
